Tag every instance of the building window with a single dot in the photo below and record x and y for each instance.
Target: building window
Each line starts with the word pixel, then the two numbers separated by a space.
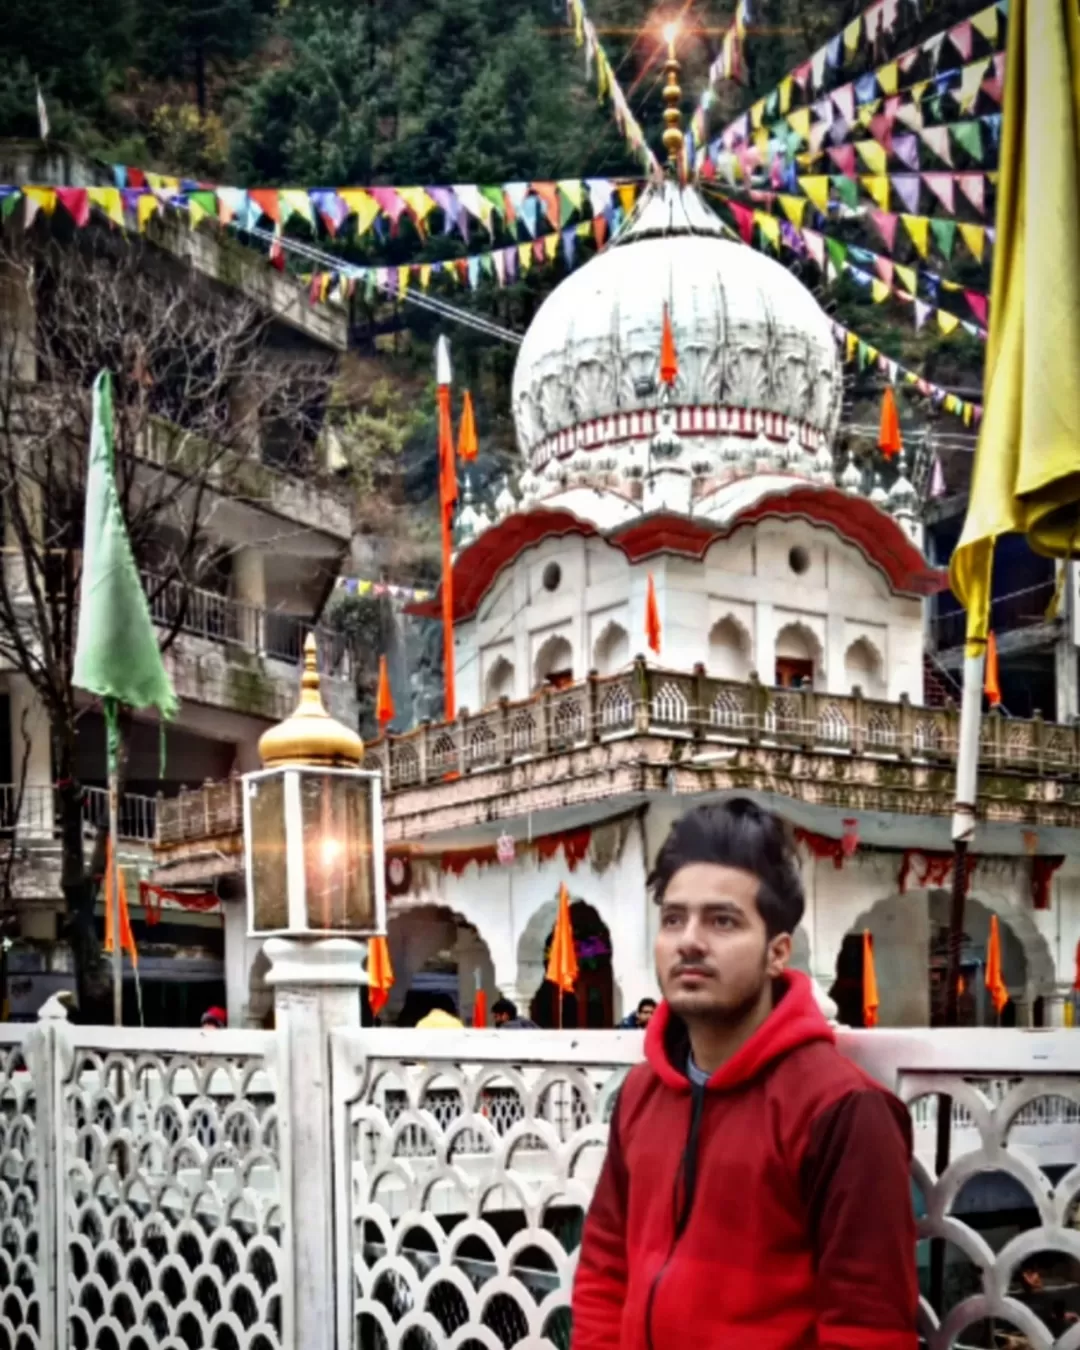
pixel 612 650
pixel 551 576
pixel 799 560
pixel 729 650
pixel 554 663
pixel 500 681
pixel 798 657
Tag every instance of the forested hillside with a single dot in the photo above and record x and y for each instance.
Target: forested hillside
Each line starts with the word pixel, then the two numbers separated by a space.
pixel 332 92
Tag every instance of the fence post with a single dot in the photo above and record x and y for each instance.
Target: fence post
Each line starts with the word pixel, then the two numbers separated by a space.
pixel 316 989
pixel 47 1055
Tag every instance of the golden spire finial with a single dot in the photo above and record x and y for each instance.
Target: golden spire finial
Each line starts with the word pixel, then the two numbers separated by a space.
pixel 310 736
pixel 673 133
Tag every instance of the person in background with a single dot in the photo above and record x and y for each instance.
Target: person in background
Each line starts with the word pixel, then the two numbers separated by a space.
pixel 640 1018
pixel 215 1019
pixel 504 1014
pixel 443 1015
pixel 756 1191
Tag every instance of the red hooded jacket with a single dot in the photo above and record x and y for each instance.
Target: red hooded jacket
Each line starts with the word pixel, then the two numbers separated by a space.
pixel 769 1210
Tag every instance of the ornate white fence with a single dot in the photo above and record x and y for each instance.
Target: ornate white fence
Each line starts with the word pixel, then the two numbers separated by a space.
pixel 464 1176
pixel 140 1203
pixel 146 1184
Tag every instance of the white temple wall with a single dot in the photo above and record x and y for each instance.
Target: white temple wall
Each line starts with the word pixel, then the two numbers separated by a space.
pixel 837 610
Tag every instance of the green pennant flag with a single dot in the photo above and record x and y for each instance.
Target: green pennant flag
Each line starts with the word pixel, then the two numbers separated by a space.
pixel 968 135
pixel 207 200
pixel 944 232
pixel 496 197
pixel 846 189
pixel 116 651
pixel 9 203
pixel 837 253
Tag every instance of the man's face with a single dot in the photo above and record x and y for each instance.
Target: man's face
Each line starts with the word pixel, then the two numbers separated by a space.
pixel 644 1014
pixel 500 1019
pixel 713 955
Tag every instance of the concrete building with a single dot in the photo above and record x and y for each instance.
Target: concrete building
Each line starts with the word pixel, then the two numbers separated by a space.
pixel 277 524
pixel 792 596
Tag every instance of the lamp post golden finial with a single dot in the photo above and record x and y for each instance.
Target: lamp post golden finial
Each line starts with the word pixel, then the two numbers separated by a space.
pixel 310 735
pixel 673 133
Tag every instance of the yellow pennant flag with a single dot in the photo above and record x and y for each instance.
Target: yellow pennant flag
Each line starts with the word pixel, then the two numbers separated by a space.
pixel 852 34
pixel 196 213
pixel 879 291
pixel 769 227
pixel 145 207
pixel 971 81
pixel 627 196
pixel 975 238
pixel 948 323
pixel 44 198
pixel 799 122
pixel 794 208
pixel 425 276
pixel 108 199
pixel 1026 476
pixel 851 346
pixel 757 112
pixel 906 277
pixel 362 205
pixel 525 256
pixel 551 246
pixel 918 228
pixel 816 187
pixel 873 156
pixel 419 203
pixel 878 189
pixel 296 202
pixel 986 23
pixel 785 95
pixel 888 78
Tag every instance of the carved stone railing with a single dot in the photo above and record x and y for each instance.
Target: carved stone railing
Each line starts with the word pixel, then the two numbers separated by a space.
pixel 645 700
pixel 208 812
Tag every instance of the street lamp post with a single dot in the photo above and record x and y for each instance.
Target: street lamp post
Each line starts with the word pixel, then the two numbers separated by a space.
pixel 313 857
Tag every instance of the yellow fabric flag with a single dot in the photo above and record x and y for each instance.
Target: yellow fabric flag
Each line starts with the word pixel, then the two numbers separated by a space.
pixel 525 256
pixel 1026 476
pixel 757 112
pixel 362 205
pixel 627 196
pixel 425 276
pixel 986 23
pixel 108 200
pixel 906 277
pixel 851 346
pixel 144 209
pixel 975 238
pixel 888 78
pixel 551 246
pixel 873 156
pixel 879 292
pixel 296 202
pixel 785 95
pixel 799 122
pixel 918 227
pixel 418 202
pixel 878 188
pixel 852 33
pixel 769 227
pixel 44 197
pixel 948 323
pixel 816 187
pixel 794 208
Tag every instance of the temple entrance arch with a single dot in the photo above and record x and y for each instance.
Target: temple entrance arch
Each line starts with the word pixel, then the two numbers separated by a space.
pixel 436 953
pixel 593 1002
pixel 910 937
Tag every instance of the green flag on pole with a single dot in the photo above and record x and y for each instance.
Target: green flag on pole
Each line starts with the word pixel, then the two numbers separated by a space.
pixel 116 651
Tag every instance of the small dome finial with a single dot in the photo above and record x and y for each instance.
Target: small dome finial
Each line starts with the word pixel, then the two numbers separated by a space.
pixel 673 133
pixel 310 736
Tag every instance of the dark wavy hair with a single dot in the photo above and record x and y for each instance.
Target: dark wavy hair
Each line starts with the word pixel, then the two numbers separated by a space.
pixel 738 833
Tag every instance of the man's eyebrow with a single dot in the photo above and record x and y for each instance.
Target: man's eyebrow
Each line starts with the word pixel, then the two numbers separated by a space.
pixel 707 906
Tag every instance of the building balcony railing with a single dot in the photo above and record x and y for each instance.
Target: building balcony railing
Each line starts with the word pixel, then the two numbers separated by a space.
pixel 37 815
pixel 1025 608
pixel 647 701
pixel 260 631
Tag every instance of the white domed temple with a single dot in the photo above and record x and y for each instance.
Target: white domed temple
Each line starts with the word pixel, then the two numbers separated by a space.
pixel 790 594
pixel 791 666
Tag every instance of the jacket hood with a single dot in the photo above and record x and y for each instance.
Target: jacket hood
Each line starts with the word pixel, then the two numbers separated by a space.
pixel 795 1020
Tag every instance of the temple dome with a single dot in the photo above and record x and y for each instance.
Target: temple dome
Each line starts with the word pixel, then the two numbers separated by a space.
pixel 757 358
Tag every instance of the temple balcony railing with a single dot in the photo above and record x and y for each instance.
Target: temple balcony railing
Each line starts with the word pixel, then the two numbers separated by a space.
pixel 1022 611
pixel 32 814
pixel 681 715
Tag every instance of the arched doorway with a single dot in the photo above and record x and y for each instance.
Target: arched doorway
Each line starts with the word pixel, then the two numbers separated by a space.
pixel 592 1004
pixel 437 955
pixel 910 936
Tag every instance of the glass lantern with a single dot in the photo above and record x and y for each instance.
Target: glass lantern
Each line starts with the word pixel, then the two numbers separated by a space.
pixel 313 852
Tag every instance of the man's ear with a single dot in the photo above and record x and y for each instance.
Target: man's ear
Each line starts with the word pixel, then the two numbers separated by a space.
pixel 778 954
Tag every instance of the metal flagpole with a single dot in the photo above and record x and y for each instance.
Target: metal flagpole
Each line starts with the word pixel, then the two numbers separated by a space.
pixel 114 901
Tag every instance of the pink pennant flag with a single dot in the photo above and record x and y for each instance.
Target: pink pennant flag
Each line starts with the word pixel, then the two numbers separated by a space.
pixel 961 38
pixel 392 206
pixel 843 156
pixel 977 302
pixel 994 84
pixel 886 222
pixel 908 59
pixel 818 132
pixel 844 101
pixel 881 128
pixel 906 186
pixel 815 246
pixel 937 138
pixel 76 202
pixel 744 219
pixel 943 186
pixel 973 186
pixel 906 150
pixel 937 481
pixel 801 74
pixel 884 268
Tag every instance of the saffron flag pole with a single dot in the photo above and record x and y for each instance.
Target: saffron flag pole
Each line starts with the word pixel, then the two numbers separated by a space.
pixel 447 503
pixel 870 999
pixel 562 966
pixel 380 974
pixel 116 651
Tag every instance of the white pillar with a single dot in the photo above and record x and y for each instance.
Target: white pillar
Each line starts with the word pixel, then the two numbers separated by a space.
pixel 249 590
pixel 36 816
pixel 316 990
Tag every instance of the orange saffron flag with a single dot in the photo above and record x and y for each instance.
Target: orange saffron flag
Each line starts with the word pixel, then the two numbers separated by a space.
pixel 669 359
pixel 468 445
pixel 991 677
pixel 870 1001
pixel 995 983
pixel 479 1009
pixel 562 967
pixel 652 617
pixel 384 702
pixel 127 938
pixel 890 442
pixel 380 974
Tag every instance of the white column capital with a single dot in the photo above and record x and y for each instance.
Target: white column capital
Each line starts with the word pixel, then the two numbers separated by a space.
pixel 323 963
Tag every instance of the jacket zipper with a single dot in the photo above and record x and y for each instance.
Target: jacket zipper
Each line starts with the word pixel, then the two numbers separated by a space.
pixel 688 1171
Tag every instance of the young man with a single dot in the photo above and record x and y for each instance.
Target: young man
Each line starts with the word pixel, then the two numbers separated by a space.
pixel 640 1018
pixel 756 1193
pixel 504 1013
